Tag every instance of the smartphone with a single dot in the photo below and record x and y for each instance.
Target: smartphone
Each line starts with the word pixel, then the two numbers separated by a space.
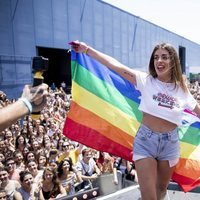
pixel 39 64
pixel 73 43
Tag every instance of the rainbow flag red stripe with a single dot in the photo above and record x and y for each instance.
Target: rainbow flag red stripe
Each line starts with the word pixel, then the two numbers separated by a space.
pixel 104 115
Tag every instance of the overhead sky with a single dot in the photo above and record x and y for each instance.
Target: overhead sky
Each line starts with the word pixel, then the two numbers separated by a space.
pixel 179 16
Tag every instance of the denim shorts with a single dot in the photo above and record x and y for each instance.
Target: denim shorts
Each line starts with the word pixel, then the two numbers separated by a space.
pixel 160 146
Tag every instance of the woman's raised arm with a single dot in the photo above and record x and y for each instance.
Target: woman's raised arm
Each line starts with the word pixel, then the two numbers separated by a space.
pixel 127 73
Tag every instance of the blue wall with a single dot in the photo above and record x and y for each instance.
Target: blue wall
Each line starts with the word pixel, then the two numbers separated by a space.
pixel 28 24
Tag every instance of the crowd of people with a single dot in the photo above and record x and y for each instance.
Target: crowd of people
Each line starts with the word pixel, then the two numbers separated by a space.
pixel 195 90
pixel 37 161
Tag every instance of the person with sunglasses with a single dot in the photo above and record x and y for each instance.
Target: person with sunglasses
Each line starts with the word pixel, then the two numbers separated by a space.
pixel 164 97
pixel 13 172
pixel 72 154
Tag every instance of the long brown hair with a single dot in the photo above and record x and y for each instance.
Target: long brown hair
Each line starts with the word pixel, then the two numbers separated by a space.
pixel 56 188
pixel 176 72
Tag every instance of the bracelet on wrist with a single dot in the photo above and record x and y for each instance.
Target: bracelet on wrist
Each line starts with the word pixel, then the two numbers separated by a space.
pixel 86 50
pixel 27 104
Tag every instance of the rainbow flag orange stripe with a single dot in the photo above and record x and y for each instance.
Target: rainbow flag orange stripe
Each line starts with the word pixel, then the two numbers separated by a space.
pixel 104 115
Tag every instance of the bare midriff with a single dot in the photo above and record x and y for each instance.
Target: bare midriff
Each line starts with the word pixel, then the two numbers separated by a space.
pixel 157 124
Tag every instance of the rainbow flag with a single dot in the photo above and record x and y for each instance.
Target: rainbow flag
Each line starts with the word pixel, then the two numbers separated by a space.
pixel 104 115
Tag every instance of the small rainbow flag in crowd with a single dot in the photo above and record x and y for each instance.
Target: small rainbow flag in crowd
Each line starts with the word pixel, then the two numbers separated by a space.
pixel 104 115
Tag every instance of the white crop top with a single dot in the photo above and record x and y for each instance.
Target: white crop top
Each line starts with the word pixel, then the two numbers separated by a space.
pixel 162 99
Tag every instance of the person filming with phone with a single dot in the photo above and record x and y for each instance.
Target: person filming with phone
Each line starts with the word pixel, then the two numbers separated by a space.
pixel 32 99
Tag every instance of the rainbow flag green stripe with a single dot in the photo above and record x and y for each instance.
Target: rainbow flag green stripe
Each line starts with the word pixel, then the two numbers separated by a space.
pixel 104 115
pixel 189 134
pixel 111 95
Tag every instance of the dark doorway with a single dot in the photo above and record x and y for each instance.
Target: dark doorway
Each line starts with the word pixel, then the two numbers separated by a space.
pixel 182 58
pixel 59 66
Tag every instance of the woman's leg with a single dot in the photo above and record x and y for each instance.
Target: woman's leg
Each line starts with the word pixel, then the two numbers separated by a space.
pixel 147 177
pixel 164 173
